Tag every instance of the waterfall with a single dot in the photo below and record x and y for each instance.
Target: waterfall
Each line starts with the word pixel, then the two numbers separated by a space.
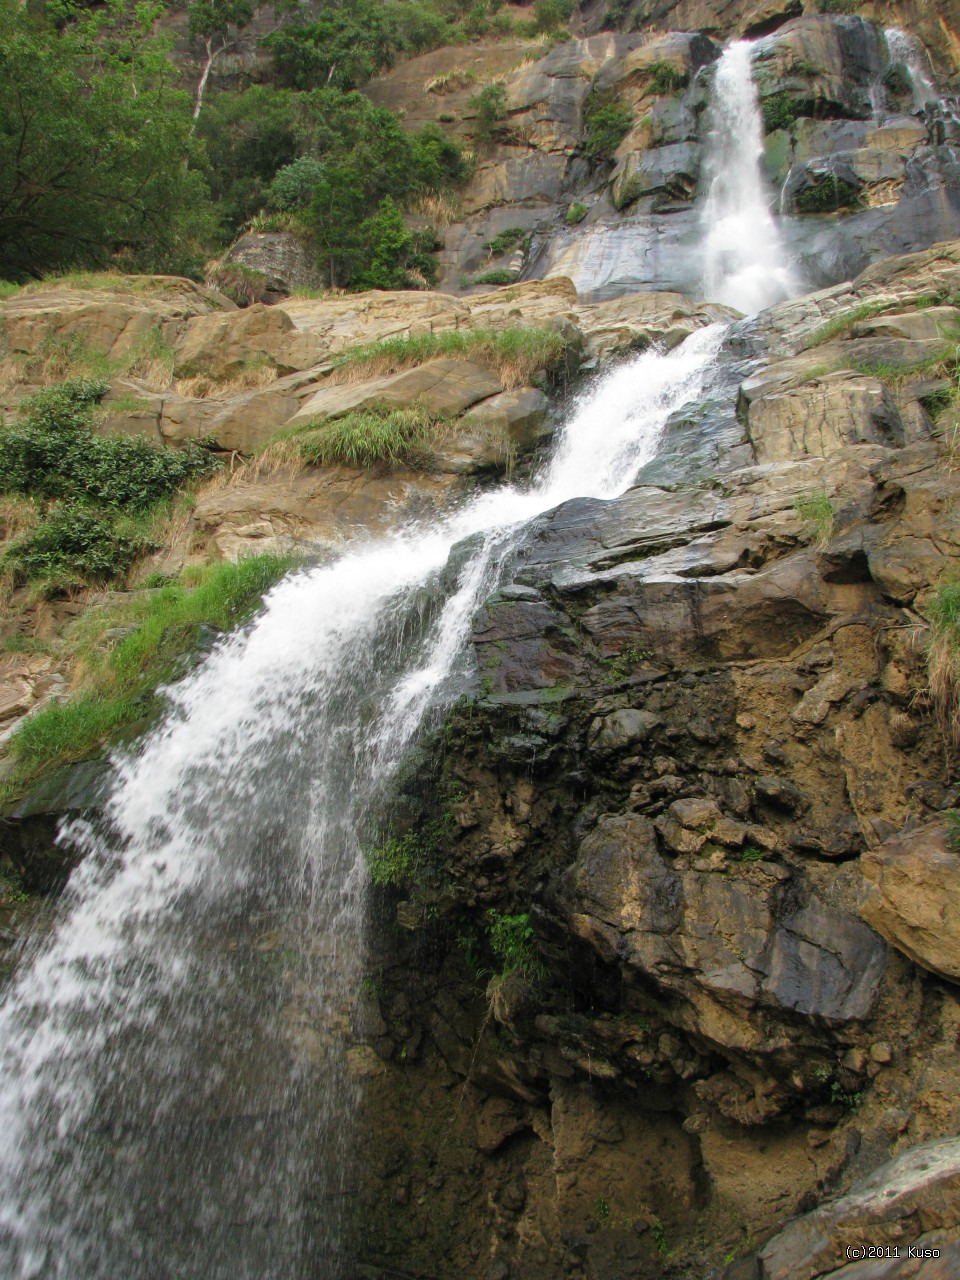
pixel 745 260
pixel 175 1097
pixel 906 49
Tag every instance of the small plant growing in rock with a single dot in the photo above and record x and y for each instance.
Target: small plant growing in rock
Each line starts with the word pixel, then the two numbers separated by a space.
pixel 513 942
pixel 750 853
pixel 489 107
pixel 660 1238
pixel 605 126
pixel 816 510
pixel 575 214
pixel 602 1209
pixel 952 819
pixel 666 78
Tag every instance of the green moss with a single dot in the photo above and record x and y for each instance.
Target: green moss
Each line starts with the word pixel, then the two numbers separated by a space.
pixel 575 213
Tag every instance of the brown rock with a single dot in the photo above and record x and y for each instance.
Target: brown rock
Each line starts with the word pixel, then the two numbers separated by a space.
pixel 911 896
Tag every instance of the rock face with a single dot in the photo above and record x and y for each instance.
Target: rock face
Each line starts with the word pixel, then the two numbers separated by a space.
pixel 701 764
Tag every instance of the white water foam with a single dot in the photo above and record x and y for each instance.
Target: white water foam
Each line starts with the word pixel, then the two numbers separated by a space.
pixel 745 259
pixel 906 49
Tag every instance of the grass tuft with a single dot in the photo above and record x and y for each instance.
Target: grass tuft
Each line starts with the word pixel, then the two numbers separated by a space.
pixel 843 324
pixel 816 510
pixel 369 437
pixel 943 657
pixel 514 354
pixel 118 687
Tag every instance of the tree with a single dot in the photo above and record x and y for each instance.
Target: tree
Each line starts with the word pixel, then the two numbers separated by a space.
pixel 95 144
pixel 213 21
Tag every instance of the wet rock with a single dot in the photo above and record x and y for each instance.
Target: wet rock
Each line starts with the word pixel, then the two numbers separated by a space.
pixel 672 171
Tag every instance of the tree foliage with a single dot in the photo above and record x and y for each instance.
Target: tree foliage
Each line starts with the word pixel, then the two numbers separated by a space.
pixel 94 143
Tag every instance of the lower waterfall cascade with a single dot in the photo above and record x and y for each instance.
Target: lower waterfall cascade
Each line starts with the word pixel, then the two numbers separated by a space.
pixel 114 1033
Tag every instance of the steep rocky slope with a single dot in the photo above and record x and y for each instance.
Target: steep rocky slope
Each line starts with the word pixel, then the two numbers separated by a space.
pixel 702 761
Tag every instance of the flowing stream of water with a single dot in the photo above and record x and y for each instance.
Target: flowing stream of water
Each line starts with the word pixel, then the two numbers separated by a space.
pixel 175 1086
pixel 745 259
pixel 904 48
pixel 174 1093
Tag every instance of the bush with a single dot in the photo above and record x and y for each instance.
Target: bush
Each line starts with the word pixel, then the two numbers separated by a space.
pixel 489 107
pixel 53 454
pixel 549 15
pixel 606 125
pixel 71 546
pixel 666 78
pixel 505 241
pixel 513 942
pixel 575 214
pixel 293 185
pixel 497 276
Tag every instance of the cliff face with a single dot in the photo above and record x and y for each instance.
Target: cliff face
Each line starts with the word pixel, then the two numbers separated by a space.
pixel 703 765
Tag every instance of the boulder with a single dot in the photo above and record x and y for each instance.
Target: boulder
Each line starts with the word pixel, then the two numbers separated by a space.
pixel 285 260
pixel 911 896
pixel 912 1201
pixel 221 346
pixel 518 417
pixel 740 940
pixel 444 387
pixel 671 171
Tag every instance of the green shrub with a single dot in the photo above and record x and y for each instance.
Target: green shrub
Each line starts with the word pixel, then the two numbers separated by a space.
pixel 368 437
pixel 665 78
pixel 394 864
pixel 71 546
pixel 292 186
pixel 550 15
pixel 575 213
pixel 780 110
pixel 505 241
pixel 498 275
pixel 489 108
pixel 605 126
pixel 53 454
pixel 513 942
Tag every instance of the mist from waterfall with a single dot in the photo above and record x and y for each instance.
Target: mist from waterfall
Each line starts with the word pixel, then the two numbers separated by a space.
pixel 175 1097
pixel 745 259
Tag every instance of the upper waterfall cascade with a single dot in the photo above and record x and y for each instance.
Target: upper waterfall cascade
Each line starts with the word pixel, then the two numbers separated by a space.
pixel 745 259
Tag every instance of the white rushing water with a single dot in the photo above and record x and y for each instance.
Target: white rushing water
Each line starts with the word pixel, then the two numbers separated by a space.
pixel 173 1100
pixel 904 48
pixel 745 260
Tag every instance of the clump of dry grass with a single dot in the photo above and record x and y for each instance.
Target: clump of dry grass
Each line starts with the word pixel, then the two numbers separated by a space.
pixel 943 658
pixel 257 372
pixel 150 359
pixel 440 208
